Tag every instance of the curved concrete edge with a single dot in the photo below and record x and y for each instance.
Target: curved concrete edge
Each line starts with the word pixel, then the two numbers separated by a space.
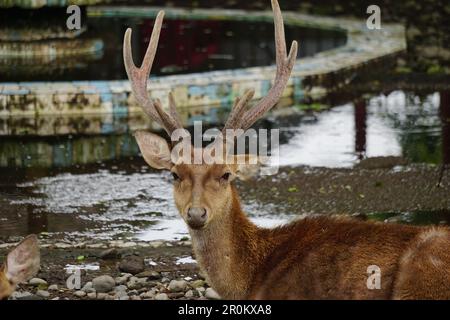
pixel 207 88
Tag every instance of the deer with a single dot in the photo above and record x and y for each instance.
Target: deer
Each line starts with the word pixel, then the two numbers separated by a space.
pixel 318 257
pixel 22 263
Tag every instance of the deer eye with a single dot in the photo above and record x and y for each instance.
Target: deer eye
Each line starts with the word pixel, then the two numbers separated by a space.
pixel 225 177
pixel 175 177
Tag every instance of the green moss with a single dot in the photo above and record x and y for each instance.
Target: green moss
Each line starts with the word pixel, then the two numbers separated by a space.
pixel 312 107
pixel 435 69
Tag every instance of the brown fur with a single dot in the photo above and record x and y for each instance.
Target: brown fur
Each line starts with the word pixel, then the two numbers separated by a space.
pixel 21 264
pixel 313 258
pixel 6 287
pixel 319 258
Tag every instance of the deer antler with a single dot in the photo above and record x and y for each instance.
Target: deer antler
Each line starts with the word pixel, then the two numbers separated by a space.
pixel 139 76
pixel 241 119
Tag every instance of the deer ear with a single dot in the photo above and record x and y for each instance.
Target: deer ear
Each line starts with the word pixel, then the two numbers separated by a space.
pixel 154 149
pixel 23 261
pixel 245 166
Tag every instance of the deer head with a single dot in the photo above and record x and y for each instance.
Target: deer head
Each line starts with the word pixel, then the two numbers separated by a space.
pixel 21 264
pixel 202 192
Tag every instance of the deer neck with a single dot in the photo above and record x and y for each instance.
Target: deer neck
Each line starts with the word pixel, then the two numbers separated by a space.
pixel 229 250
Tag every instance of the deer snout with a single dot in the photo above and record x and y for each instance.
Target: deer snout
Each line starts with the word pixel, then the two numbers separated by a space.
pixel 196 217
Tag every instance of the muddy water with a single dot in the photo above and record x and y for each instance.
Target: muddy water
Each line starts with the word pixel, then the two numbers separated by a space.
pixel 115 195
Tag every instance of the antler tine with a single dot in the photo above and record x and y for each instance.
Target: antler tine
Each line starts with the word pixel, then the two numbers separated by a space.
pixel 139 77
pixel 284 68
pixel 238 110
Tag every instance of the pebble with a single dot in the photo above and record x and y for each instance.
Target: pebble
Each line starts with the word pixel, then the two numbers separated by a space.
pixel 43 293
pixel 211 294
pixel 133 293
pixel 175 295
pixel 161 296
pixel 93 295
pixel 136 283
pixel 103 283
pixel 88 287
pixel 201 291
pixel 79 294
pixel 120 294
pixel 123 279
pixel 189 294
pixel 21 295
pixel 120 288
pixel 197 283
pixel 177 285
pixel 102 296
pixel 37 282
pixel 109 254
pixel 150 274
pixel 132 264
pixel 53 287
pixel 165 279
pixel 147 295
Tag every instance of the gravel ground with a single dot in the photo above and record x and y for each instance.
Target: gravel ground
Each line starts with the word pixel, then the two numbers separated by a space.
pixel 127 270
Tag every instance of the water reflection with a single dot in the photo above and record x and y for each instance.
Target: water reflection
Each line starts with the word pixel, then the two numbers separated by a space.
pixel 186 46
pixel 400 125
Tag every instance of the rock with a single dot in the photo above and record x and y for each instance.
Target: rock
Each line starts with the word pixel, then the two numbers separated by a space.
pixel 109 254
pixel 79 294
pixel 43 293
pixel 161 296
pixel 120 294
pixel 201 290
pixel 102 296
pixel 103 283
pixel 132 264
pixel 124 298
pixel 17 295
pixel 123 279
pixel 135 298
pixel 120 288
pixel 136 283
pixel 37 282
pixel 133 293
pixel 148 295
pixel 150 274
pixel 92 295
pixel 175 295
pixel 189 294
pixel 53 287
pixel 211 294
pixel 177 285
pixel 88 287
pixel 198 283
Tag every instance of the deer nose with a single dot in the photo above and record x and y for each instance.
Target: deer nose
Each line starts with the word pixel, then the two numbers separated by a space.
pixel 196 217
